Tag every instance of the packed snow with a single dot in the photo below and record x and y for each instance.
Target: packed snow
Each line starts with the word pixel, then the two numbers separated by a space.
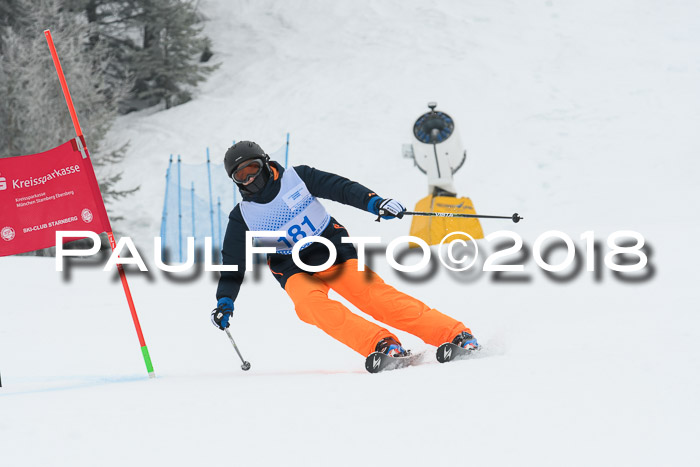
pixel 581 116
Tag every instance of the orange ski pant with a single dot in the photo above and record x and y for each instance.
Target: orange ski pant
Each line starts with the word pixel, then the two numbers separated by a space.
pixel 368 292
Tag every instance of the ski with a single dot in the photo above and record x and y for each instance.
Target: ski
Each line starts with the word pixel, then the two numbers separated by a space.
pixel 378 361
pixel 448 352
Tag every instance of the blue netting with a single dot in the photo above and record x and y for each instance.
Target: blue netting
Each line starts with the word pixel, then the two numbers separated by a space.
pixel 197 205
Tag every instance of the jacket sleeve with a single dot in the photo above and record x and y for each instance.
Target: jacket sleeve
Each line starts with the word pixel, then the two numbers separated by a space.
pixel 233 252
pixel 336 188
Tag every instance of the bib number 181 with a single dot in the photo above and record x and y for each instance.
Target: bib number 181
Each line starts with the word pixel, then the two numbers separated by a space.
pixel 296 232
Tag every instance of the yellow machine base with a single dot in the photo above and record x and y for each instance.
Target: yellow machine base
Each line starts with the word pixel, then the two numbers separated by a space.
pixel 433 229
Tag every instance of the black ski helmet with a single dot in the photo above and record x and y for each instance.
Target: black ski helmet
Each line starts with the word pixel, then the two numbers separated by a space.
pixel 244 151
pixel 240 152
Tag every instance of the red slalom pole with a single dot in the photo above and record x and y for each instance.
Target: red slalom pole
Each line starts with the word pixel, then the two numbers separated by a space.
pixel 110 235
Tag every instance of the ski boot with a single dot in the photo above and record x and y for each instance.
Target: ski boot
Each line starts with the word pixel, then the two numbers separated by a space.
pixel 466 341
pixel 462 346
pixel 389 354
pixel 392 348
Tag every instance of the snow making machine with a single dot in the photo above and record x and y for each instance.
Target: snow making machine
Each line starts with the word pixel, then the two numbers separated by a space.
pixel 437 151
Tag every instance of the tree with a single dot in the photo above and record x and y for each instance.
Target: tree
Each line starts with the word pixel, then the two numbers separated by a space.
pixel 33 113
pixel 167 66
pixel 8 14
pixel 158 44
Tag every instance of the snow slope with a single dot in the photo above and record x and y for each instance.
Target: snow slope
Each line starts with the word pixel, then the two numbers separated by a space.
pixel 580 116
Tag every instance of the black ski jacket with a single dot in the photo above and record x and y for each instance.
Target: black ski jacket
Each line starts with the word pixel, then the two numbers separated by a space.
pixel 320 184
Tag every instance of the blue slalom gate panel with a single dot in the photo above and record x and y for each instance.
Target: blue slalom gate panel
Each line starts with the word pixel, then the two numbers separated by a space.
pixel 197 201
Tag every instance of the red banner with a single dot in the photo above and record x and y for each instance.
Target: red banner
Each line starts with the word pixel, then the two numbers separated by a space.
pixel 45 192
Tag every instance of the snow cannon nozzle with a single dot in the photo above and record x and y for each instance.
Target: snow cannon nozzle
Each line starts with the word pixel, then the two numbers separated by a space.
pixel 516 218
pixel 245 366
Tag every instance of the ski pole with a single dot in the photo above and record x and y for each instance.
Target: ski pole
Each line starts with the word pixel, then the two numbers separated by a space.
pixel 246 365
pixel 515 217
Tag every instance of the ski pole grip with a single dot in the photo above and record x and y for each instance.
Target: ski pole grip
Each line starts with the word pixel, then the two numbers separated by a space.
pixel 384 212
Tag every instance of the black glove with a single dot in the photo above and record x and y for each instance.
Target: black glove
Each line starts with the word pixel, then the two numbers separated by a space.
pixel 222 313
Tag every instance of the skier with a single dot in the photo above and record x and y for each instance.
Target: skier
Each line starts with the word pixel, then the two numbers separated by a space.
pixel 276 199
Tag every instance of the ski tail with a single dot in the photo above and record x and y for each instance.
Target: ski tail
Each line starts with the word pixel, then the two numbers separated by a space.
pixel 377 361
pixel 448 352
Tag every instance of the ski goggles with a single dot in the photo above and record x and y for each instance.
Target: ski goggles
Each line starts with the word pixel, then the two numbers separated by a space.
pixel 247 171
